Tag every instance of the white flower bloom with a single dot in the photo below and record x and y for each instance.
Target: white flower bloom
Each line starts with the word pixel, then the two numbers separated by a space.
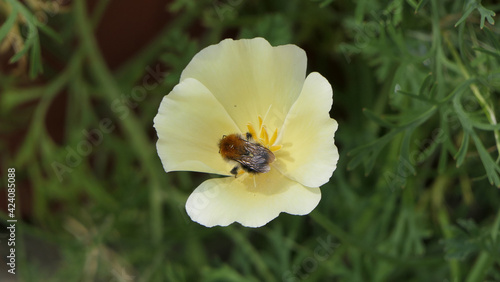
pixel 240 86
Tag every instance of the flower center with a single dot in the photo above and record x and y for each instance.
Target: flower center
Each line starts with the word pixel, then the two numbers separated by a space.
pixel 252 153
pixel 261 136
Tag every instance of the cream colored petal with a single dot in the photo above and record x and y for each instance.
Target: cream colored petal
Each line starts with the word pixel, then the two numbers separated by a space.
pixel 309 154
pixel 189 124
pixel 250 77
pixel 222 201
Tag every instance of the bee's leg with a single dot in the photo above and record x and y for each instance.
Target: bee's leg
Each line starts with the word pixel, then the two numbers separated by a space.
pixel 249 136
pixel 234 171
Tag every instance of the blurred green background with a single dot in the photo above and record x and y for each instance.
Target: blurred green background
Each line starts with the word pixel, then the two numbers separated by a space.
pixel 416 94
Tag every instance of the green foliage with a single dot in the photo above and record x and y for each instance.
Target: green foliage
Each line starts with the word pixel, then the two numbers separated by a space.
pixel 416 86
pixel 438 95
pixel 485 13
pixel 30 38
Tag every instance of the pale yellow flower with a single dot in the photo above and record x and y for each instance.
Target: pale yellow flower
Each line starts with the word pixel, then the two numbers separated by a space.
pixel 240 86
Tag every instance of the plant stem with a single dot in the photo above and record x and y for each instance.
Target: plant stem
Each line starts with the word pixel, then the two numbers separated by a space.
pixel 130 124
pixel 347 239
pixel 252 253
pixel 487 109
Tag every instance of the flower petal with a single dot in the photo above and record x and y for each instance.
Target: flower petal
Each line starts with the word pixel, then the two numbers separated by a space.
pixel 189 123
pixel 222 201
pixel 309 154
pixel 250 77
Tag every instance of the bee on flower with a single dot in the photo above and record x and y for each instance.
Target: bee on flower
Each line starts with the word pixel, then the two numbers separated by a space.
pixel 246 110
pixel 250 156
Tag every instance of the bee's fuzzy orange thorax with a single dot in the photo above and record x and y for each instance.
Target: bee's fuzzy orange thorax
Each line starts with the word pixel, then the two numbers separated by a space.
pixel 232 146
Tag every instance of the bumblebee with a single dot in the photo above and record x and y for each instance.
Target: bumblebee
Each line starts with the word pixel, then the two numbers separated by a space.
pixel 251 156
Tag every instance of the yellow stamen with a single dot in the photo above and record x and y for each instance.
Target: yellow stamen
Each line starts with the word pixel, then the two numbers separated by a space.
pixel 260 135
pixel 240 172
pixel 251 130
pixel 273 138
pixel 275 148
pixel 264 137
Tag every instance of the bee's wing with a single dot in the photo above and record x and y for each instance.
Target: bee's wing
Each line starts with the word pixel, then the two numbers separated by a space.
pixel 258 158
